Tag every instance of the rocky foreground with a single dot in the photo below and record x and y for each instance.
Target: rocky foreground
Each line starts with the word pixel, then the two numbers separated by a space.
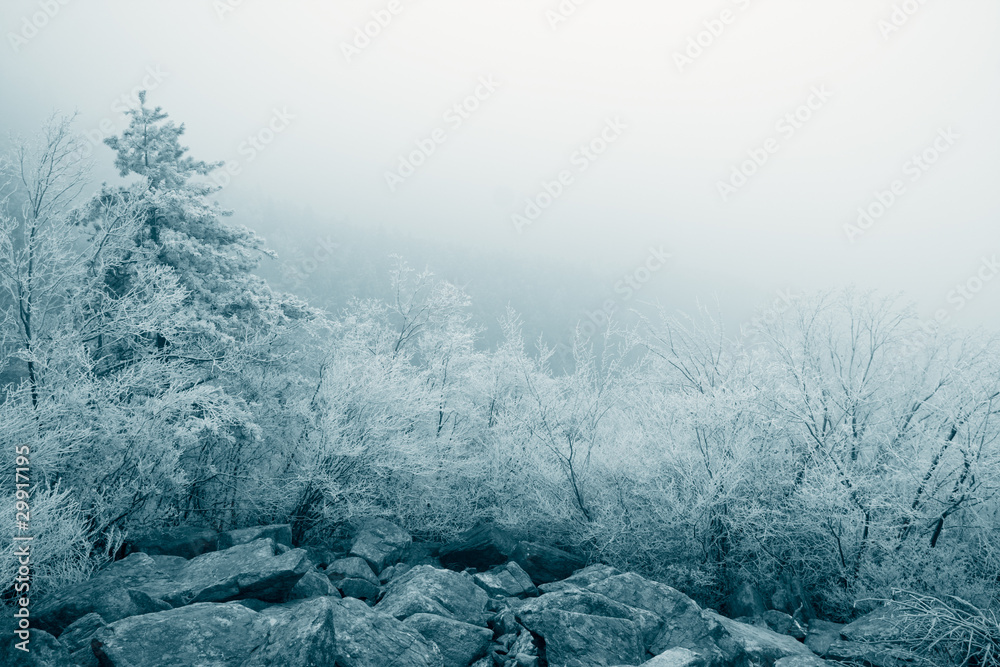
pixel 247 598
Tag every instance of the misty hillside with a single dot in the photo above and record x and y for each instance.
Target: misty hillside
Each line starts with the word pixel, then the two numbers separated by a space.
pixel 499 334
pixel 155 380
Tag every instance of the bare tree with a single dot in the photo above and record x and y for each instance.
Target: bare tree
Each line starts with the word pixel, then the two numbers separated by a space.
pixel 47 174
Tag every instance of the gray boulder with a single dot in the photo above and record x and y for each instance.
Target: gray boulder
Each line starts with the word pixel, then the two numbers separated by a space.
pixel 141 584
pixel 299 634
pixel 480 548
pixel 44 650
pixel 508 581
pixel 78 635
pixel 801 661
pixel 545 564
pixel 318 632
pixel 429 590
pixel 312 585
pixel 682 624
pixel 369 638
pixel 248 570
pixel 679 657
pixel 587 603
pixel 460 643
pixel 359 588
pixel 216 635
pixel 186 542
pixel 821 634
pixel 582 579
pixel 112 599
pixel 351 568
pixel 573 639
pixel 749 643
pixel 380 542
pixel 280 533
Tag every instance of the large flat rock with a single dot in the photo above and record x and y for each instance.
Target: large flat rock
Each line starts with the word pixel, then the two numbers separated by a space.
pixel 429 590
pixel 142 584
pixel 380 542
pixel 460 643
pixel 751 643
pixel 587 603
pixel 185 541
pixel 281 534
pixel 682 623
pixel 367 637
pixel 298 634
pixel 582 640
pixel 319 632
pixel 250 570
pixel 206 634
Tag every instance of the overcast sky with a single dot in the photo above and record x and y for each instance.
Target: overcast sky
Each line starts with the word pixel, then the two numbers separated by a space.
pixel 332 112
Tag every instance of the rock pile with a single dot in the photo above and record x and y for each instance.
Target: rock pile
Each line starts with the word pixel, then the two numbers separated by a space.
pixel 247 598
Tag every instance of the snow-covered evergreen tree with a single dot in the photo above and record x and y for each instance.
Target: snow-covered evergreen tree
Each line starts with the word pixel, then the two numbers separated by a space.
pixel 229 313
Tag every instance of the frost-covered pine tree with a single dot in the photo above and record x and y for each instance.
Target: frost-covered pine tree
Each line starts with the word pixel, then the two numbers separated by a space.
pixel 229 312
pixel 231 334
